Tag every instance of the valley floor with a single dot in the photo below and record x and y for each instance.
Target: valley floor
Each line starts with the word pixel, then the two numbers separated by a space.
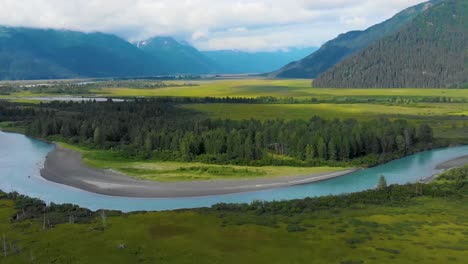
pixel 424 230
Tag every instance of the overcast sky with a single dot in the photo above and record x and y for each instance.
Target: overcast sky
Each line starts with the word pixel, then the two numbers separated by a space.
pixel 208 24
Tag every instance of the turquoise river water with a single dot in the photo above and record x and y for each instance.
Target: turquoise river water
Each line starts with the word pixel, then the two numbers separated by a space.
pixel 21 159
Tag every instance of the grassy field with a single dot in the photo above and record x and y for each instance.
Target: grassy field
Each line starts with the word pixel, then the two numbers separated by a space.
pixel 277 88
pixel 184 171
pixel 448 120
pixel 252 88
pixel 342 111
pixel 423 231
pixel 11 127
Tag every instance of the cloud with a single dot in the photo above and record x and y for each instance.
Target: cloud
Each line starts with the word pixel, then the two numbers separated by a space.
pixel 208 24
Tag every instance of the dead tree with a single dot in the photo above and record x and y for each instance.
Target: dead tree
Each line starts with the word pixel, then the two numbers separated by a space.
pixel 5 250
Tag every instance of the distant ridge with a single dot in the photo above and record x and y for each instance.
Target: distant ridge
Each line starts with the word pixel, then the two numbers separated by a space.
pixel 345 45
pixel 430 52
pixel 234 61
pixel 30 53
pixel 177 57
pixel 27 53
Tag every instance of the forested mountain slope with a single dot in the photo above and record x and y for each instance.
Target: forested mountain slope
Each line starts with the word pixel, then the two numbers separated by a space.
pixel 345 45
pixel 27 53
pixel 431 51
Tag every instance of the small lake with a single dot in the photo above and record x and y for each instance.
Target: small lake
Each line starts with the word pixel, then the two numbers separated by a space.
pixel 21 159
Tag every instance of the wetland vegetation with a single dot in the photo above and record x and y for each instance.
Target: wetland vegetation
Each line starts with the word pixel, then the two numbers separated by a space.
pixel 400 224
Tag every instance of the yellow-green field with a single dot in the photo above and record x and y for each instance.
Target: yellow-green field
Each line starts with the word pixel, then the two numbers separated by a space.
pixel 447 120
pixel 429 230
pixel 252 88
pixel 185 171
pixel 306 111
pixel 297 88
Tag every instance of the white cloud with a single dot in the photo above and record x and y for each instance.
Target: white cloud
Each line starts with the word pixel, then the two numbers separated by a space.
pixel 208 24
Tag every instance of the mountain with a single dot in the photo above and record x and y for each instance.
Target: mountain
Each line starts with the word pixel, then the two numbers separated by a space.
pixel 234 61
pixel 177 57
pixel 345 45
pixel 431 51
pixel 27 53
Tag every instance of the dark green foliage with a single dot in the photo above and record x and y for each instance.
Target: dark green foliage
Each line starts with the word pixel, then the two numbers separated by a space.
pixel 425 133
pixel 451 184
pixel 31 208
pixel 430 52
pixel 295 228
pixel 345 45
pixel 147 128
pixel 458 176
pixel 382 183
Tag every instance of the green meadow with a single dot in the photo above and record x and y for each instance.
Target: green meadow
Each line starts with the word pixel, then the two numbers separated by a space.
pixel 342 111
pixel 449 120
pixel 249 88
pixel 169 171
pixel 252 88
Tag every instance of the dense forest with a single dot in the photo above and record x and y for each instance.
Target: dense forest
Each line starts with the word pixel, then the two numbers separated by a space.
pixel 347 44
pixel 164 131
pixel 429 52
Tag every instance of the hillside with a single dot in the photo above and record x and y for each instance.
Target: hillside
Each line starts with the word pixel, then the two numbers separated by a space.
pixel 431 51
pixel 234 61
pixel 27 53
pixel 177 57
pixel 345 45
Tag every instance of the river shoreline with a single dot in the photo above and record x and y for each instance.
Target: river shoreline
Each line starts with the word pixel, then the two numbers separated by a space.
pixel 65 166
pixel 446 166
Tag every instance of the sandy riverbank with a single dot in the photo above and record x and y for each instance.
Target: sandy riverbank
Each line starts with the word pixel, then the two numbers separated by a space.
pixel 455 163
pixel 445 166
pixel 65 166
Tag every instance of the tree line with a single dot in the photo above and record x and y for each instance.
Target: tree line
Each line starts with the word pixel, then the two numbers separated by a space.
pixel 150 129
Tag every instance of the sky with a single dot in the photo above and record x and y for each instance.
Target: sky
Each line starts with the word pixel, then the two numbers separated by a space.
pixel 249 25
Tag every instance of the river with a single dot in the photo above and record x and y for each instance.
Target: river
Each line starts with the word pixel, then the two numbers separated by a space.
pixel 21 159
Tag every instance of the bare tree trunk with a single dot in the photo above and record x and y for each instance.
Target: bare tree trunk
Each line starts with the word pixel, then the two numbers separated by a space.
pixel 104 219
pixel 44 223
pixel 5 253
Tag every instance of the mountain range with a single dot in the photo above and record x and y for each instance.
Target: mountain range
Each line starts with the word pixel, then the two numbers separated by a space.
pixel 429 52
pixel 28 53
pixel 177 57
pixel 422 46
pixel 345 45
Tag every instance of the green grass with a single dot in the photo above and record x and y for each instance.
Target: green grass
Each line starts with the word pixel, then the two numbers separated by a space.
pixel 185 171
pixel 278 88
pixel 298 88
pixel 306 111
pixel 424 231
pixel 11 127
pixel 448 120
